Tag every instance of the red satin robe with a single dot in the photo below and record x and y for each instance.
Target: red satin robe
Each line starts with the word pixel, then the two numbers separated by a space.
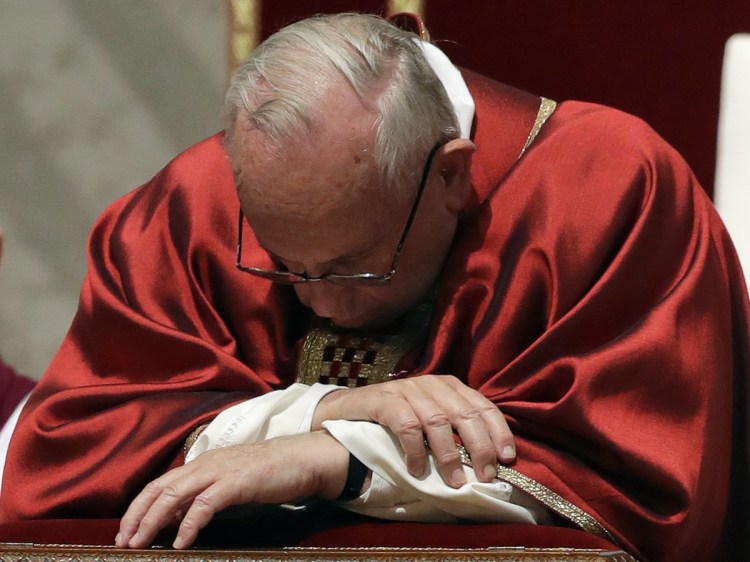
pixel 592 293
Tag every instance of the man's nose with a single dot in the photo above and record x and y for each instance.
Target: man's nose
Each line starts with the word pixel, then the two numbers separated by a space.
pixel 323 297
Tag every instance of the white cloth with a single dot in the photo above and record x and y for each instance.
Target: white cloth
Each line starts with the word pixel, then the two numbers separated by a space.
pixel 732 191
pixel 454 84
pixel 394 494
pixel 281 412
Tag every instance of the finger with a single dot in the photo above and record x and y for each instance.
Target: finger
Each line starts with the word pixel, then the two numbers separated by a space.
pixel 439 432
pixel 413 414
pixel 174 499
pixel 502 438
pixel 204 507
pixel 494 441
pixel 401 419
pixel 135 512
pixel 464 408
pixel 438 429
pixel 155 507
pixel 495 422
pixel 472 427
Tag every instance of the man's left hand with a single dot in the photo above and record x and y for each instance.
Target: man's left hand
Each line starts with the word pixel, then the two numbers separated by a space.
pixel 276 471
pixel 431 407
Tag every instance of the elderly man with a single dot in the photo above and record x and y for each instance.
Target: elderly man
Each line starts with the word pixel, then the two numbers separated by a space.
pixel 545 284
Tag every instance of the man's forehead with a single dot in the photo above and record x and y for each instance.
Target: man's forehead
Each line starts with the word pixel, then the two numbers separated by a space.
pixel 318 227
pixel 314 174
pixel 338 125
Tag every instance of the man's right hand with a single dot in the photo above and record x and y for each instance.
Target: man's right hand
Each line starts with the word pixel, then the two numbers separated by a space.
pixel 431 407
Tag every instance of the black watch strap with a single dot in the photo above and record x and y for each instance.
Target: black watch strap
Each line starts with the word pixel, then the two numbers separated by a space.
pixel 355 479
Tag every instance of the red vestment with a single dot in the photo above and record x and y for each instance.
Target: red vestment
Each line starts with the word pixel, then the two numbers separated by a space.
pixel 591 292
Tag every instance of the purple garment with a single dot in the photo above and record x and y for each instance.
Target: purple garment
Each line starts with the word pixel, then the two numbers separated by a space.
pixel 13 387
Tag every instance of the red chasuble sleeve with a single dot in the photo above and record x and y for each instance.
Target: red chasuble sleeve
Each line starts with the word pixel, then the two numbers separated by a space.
pixel 167 334
pixel 596 298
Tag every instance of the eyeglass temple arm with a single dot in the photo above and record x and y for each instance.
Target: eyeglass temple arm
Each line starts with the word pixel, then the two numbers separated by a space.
pixel 239 238
pixel 417 199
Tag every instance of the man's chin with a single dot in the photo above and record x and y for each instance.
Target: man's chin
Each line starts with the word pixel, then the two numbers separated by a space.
pixel 366 323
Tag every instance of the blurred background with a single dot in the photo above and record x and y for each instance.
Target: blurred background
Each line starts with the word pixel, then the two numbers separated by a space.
pixel 97 95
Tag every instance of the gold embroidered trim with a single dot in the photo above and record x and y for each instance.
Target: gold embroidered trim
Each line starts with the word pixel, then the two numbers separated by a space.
pixel 409 6
pixel 550 499
pixel 489 554
pixel 83 553
pixel 315 366
pixel 546 108
pixel 192 438
pixel 329 356
pixel 244 30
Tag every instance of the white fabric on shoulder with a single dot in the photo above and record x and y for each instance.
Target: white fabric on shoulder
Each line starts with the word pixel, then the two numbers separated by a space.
pixel 396 494
pixel 454 84
pixel 278 413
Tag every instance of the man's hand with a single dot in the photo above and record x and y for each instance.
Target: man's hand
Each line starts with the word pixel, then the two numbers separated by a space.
pixel 270 472
pixel 430 406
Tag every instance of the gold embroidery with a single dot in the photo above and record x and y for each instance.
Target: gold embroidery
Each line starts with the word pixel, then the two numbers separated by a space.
pixel 192 438
pixel 82 553
pixel 550 499
pixel 546 108
pixel 244 30
pixel 408 6
pixel 331 356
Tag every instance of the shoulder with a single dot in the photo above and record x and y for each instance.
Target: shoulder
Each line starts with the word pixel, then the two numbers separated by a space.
pixel 204 161
pixel 190 203
pixel 604 151
pixel 593 128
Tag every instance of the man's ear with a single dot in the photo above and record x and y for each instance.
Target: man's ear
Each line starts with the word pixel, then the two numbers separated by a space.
pixel 453 162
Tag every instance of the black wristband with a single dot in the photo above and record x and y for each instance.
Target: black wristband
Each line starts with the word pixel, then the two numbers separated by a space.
pixel 355 479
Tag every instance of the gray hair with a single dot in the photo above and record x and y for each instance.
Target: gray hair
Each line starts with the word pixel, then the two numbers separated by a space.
pixel 279 87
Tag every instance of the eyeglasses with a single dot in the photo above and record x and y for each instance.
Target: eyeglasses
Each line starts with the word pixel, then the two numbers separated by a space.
pixel 348 279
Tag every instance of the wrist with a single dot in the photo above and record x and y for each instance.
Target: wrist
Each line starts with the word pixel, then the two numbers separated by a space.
pixel 357 475
pixel 325 408
pixel 332 470
pixel 331 461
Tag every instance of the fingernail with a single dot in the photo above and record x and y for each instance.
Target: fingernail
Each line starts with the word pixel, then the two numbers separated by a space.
pixel 509 453
pixel 489 471
pixel 177 544
pixel 459 478
pixel 118 538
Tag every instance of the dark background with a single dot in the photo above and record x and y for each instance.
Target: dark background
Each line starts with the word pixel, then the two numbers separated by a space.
pixel 656 59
